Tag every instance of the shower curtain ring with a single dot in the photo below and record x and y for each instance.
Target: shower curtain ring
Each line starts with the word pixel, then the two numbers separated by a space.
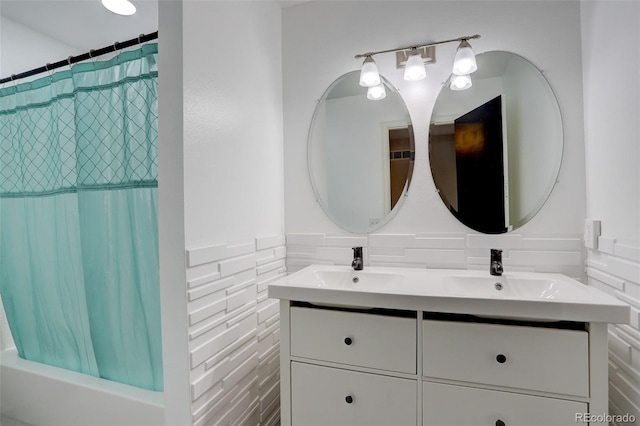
pixel 50 72
pixel 115 48
pixel 140 38
pixel 93 58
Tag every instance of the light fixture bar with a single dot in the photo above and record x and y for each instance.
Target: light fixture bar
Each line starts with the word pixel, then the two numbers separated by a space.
pixel 418 46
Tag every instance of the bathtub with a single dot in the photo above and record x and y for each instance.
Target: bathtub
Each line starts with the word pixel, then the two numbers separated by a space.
pixel 42 395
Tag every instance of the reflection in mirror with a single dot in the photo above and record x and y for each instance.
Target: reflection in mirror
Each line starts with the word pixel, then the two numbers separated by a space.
pixel 495 149
pixel 360 154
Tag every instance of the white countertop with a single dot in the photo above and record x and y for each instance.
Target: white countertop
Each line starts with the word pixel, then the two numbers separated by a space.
pixel 519 295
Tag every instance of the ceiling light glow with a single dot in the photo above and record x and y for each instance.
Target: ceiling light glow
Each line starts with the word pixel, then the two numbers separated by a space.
pixel 120 7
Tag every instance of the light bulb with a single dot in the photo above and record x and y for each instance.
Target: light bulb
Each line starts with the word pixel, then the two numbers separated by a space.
pixel 120 7
pixel 375 93
pixel 460 82
pixel 369 75
pixel 465 61
pixel 414 69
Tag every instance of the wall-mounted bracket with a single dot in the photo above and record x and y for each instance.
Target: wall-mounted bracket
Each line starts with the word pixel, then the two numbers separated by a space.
pixel 428 54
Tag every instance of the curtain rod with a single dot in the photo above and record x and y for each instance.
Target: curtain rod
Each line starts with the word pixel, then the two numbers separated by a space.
pixel 142 38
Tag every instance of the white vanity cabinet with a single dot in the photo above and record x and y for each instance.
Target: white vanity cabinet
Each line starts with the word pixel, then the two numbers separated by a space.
pixel 387 343
pixel 470 406
pixel 342 366
pixel 351 368
pixel 325 396
pixel 498 374
pixel 437 347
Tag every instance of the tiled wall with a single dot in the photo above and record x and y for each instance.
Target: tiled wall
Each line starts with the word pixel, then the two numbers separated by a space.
pixel 615 268
pixel 562 254
pixel 234 332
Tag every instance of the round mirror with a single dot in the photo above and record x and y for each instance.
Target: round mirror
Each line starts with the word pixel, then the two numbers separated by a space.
pixel 495 148
pixel 360 154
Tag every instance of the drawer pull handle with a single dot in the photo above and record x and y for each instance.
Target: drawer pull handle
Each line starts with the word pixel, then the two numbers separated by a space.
pixel 349 399
pixel 348 341
pixel 501 359
pixel 500 423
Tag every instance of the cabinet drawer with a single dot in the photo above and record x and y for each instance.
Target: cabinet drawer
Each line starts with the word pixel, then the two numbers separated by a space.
pixel 367 340
pixel 542 359
pixel 445 405
pixel 319 396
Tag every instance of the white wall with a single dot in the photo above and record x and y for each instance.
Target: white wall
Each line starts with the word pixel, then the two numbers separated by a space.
pixel 233 210
pixel 22 49
pixel 320 40
pixel 611 116
pixel 233 121
pixel 171 228
pixel 612 139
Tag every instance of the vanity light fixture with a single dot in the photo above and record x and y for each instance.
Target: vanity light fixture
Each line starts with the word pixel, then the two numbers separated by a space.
pixel 414 69
pixel 465 61
pixel 460 82
pixel 369 76
pixel 375 93
pixel 120 7
pixel 414 58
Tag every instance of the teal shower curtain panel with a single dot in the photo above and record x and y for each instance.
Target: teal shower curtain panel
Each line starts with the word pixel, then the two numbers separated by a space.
pixel 79 273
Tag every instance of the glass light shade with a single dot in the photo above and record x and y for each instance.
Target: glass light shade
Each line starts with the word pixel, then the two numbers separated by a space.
pixel 465 62
pixel 460 82
pixel 414 69
pixel 120 7
pixel 376 93
pixel 369 75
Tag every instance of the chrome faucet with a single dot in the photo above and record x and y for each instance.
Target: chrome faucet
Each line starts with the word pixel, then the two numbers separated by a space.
pixel 357 263
pixel 495 268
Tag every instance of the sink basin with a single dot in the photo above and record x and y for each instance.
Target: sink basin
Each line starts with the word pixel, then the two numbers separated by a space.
pixel 521 295
pixel 350 280
pixel 516 288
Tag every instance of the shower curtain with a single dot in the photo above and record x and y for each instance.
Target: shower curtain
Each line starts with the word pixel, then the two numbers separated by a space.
pixel 79 275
